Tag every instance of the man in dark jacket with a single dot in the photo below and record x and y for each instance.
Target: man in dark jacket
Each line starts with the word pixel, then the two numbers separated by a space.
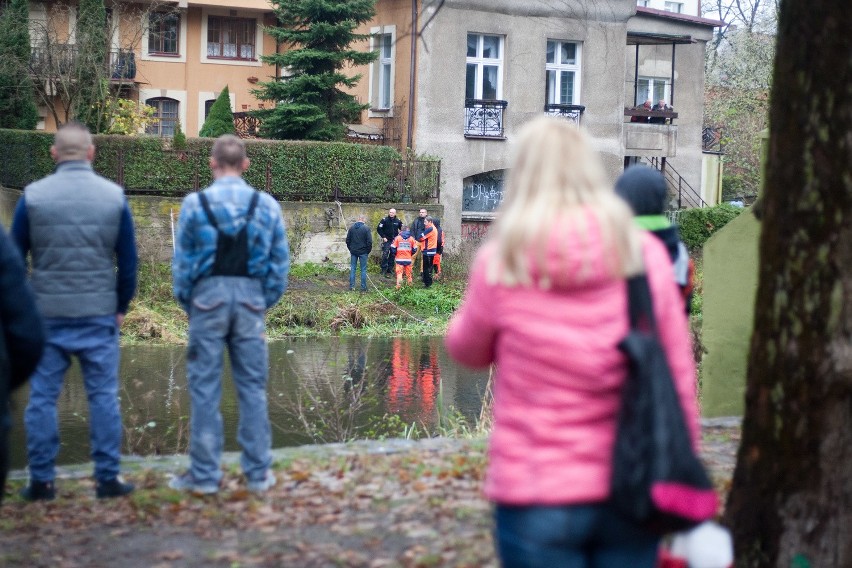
pixel 359 241
pixel 417 229
pixel 388 228
pixel 22 341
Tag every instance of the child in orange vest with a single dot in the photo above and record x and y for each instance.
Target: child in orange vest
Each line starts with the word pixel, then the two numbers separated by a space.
pixel 404 246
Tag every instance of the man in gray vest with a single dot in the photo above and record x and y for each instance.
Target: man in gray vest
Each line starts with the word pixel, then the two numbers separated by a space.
pixel 78 230
pixel 230 266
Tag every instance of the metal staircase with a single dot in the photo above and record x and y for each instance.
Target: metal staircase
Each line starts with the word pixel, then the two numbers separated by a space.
pixel 687 197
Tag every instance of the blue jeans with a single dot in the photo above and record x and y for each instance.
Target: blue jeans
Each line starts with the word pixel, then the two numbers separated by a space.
pixel 227 310
pixel 94 341
pixel 353 262
pixel 571 536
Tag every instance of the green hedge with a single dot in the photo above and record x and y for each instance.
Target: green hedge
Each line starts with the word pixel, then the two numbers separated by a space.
pixel 25 156
pixel 292 171
pixel 697 225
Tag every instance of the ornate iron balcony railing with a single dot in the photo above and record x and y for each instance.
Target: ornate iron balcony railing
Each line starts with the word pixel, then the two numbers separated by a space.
pixel 484 118
pixel 569 112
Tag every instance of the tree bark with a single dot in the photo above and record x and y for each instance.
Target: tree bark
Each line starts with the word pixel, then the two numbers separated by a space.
pixel 791 499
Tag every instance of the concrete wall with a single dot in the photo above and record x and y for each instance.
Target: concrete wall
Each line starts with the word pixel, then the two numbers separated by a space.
pixel 730 284
pixel 317 231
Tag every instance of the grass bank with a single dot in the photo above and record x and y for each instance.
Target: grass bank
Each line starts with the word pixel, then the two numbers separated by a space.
pixel 318 303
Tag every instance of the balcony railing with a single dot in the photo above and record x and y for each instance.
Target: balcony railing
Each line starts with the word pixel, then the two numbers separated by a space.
pixel 650 116
pixel 122 65
pixel 484 118
pixel 568 112
pixel 60 59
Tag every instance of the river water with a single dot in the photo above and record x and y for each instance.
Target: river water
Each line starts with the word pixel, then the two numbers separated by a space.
pixel 313 384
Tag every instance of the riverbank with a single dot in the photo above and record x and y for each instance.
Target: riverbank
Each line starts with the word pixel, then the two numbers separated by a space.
pixel 318 303
pixel 367 504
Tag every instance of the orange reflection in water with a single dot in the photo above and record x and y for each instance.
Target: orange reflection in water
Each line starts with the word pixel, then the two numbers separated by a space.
pixel 413 388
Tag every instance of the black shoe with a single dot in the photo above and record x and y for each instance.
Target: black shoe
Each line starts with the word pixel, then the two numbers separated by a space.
pixel 387 274
pixel 113 488
pixel 39 491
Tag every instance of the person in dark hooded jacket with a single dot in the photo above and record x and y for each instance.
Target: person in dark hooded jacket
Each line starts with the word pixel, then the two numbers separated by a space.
pixel 22 340
pixel 645 190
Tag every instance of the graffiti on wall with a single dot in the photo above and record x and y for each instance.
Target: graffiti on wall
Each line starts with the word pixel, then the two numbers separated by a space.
pixel 474 230
pixel 483 192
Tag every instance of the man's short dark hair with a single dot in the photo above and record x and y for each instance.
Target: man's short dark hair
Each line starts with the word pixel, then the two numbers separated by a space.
pixel 229 151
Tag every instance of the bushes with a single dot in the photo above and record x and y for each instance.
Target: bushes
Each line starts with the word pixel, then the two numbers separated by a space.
pixel 697 225
pixel 25 156
pixel 291 171
pixel 220 120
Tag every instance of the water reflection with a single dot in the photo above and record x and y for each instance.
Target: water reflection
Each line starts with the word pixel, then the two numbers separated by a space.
pixel 328 384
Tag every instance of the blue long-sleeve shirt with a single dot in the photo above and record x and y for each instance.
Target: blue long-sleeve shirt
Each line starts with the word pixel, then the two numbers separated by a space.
pixel 126 259
pixel 195 243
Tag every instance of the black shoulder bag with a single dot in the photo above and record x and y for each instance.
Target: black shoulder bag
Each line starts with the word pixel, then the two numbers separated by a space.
pixel 657 480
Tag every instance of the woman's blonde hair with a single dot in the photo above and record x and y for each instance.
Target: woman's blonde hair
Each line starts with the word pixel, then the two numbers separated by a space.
pixel 557 180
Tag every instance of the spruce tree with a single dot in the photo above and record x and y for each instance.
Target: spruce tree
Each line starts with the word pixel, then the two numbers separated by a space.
pixel 220 120
pixel 17 98
pixel 309 105
pixel 90 65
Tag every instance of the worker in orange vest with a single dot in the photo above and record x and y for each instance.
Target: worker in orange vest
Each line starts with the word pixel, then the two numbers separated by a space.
pixel 403 248
pixel 429 244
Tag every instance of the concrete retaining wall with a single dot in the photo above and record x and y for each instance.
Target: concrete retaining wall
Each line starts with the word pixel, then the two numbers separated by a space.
pixel 317 231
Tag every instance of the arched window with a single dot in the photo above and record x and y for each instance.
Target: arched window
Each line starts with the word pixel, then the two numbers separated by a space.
pixel 167 115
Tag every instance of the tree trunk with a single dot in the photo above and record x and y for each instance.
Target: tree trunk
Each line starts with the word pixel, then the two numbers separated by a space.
pixel 791 499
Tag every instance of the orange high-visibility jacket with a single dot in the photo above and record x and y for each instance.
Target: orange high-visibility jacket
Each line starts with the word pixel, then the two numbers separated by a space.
pixel 404 248
pixel 429 240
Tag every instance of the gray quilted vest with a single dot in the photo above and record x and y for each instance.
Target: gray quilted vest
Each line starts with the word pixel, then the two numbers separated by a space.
pixel 74 217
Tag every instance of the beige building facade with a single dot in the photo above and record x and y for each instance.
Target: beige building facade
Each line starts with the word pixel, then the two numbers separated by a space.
pixel 175 56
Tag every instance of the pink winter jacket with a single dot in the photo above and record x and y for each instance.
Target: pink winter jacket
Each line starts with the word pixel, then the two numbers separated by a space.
pixel 558 368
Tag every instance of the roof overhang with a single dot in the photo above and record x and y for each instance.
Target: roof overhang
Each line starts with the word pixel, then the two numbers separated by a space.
pixel 649 38
pixel 685 18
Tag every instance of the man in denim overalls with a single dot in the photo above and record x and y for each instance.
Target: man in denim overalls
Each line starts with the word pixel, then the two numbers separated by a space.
pixel 230 266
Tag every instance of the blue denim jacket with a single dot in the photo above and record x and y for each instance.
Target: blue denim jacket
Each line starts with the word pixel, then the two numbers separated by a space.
pixel 195 243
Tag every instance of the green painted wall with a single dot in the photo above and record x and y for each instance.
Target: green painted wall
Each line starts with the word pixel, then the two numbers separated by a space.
pixel 730 285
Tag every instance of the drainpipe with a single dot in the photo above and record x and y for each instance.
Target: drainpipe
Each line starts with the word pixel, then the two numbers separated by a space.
pixel 636 78
pixel 671 102
pixel 411 75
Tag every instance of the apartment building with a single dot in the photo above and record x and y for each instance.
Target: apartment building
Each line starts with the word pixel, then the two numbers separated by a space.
pixel 454 79
pixel 176 56
pixel 481 69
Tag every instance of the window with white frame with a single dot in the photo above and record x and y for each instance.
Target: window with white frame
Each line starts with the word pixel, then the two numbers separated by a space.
pixel 654 89
pixel 167 113
pixel 382 70
pixel 231 38
pixel 643 3
pixel 562 73
pixel 484 77
pixel 676 7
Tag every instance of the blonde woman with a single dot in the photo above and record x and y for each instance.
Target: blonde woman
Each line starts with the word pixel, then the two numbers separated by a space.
pixel 547 304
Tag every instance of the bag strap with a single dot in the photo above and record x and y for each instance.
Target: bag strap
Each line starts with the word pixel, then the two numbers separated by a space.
pixel 640 306
pixel 206 205
pixel 209 212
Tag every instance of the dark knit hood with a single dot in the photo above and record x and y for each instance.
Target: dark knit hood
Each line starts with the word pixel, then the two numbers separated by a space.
pixel 644 189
